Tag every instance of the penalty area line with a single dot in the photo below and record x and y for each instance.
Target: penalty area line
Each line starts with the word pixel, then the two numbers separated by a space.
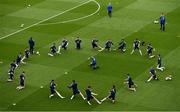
pixel 77 19
pixel 6 36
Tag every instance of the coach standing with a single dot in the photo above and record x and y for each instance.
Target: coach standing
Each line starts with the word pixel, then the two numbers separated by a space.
pixel 31 45
pixel 162 22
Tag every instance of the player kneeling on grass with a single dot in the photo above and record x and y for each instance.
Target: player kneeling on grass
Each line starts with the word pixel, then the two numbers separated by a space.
pixel 75 90
pixel 159 66
pixel 122 45
pixel 136 46
pixel 93 63
pixel 112 95
pixel 53 90
pixel 150 51
pixel 78 43
pixel 153 75
pixel 108 45
pixel 26 55
pixel 63 45
pixel 18 59
pixel 11 75
pixel 22 81
pixel 90 95
pixel 131 85
pixel 53 50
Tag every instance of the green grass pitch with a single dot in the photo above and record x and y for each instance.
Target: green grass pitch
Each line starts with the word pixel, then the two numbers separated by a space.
pixel 131 19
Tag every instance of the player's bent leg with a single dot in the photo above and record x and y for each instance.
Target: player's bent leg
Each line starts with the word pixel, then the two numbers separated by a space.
pixel 59 94
pixel 96 100
pixel 82 95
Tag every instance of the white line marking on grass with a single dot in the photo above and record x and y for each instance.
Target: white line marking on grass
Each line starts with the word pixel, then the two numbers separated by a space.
pixel 45 19
pixel 77 19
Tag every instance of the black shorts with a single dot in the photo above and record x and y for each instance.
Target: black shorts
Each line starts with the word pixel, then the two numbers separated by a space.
pixel 94 45
pixel 21 83
pixel 130 84
pixel 136 47
pixel 76 92
pixel 53 91
pixel 111 97
pixel 89 98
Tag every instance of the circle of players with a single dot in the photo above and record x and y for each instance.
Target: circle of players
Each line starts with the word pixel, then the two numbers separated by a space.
pixel 89 94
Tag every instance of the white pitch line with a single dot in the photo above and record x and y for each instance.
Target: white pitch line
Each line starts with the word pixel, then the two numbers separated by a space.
pixel 45 20
pixel 77 19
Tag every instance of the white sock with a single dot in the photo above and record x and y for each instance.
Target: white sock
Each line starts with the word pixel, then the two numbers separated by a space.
pixel 59 95
pixel 104 99
pixel 89 103
pixel 72 97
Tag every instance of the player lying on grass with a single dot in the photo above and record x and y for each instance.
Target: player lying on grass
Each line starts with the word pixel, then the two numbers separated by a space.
pixel 63 45
pixel 109 8
pixel 150 50
pixel 131 85
pixel 90 95
pixel 122 45
pixel 31 45
pixel 53 50
pixel 153 75
pixel 95 45
pixel 18 59
pixel 75 90
pixel 93 63
pixel 159 66
pixel 26 55
pixel 11 75
pixel 111 96
pixel 136 46
pixel 53 90
pixel 78 43
pixel 22 81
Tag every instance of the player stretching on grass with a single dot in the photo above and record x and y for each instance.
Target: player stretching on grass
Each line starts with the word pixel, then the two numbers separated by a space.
pixel 150 50
pixel 90 95
pixel 11 75
pixel 122 45
pixel 75 90
pixel 53 90
pixel 109 8
pixel 159 67
pixel 13 65
pixel 136 46
pixel 112 95
pixel 153 75
pixel 26 55
pixel 63 45
pixel 93 64
pixel 95 45
pixel 18 59
pixel 53 50
pixel 162 22
pixel 22 81
pixel 131 85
